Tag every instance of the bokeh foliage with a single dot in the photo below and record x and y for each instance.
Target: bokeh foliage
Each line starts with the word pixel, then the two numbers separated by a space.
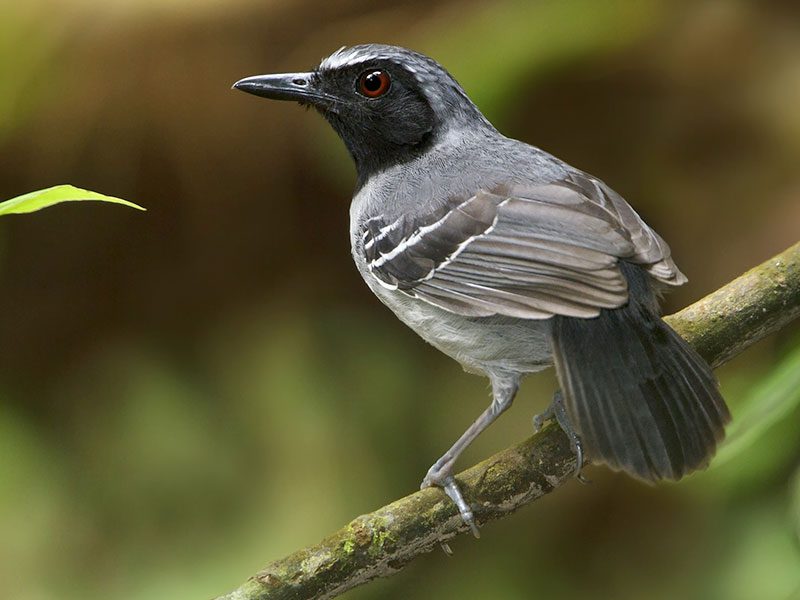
pixel 188 393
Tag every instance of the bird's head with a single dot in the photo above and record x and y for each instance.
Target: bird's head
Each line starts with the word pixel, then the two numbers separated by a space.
pixel 388 104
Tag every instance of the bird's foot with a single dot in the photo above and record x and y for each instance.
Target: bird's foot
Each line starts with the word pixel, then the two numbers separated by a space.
pixel 558 411
pixel 442 477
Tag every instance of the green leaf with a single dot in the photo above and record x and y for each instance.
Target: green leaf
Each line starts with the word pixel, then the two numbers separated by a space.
pixel 795 506
pixel 55 195
pixel 771 402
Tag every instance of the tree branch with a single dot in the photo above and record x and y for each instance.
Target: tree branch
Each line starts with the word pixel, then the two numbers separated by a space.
pixel 719 326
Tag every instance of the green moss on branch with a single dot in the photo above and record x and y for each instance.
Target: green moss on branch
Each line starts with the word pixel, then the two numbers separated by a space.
pixel 752 306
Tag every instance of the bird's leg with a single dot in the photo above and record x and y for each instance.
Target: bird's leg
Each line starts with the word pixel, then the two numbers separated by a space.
pixel 441 473
pixel 558 411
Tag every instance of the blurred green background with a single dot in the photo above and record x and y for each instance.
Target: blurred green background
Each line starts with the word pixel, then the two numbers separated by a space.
pixel 190 392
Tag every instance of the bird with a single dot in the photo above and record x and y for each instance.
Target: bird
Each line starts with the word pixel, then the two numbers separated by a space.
pixel 510 261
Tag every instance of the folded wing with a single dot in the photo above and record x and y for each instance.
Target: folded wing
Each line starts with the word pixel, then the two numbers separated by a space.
pixel 529 251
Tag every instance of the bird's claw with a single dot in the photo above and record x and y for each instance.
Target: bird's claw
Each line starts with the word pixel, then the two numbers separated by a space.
pixel 450 487
pixel 558 412
pixel 542 418
pixel 577 449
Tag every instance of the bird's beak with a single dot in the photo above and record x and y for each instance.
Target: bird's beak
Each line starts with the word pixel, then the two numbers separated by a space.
pixel 284 86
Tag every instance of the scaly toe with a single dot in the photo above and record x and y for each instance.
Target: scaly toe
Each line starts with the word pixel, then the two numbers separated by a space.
pixel 448 484
pixel 543 417
pixel 577 449
pixel 451 488
pixel 538 423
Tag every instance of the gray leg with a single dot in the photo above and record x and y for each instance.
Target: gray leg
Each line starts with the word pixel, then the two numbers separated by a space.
pixel 441 473
pixel 558 411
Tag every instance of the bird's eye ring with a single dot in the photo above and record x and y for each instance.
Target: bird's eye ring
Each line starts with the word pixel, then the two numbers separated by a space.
pixel 373 83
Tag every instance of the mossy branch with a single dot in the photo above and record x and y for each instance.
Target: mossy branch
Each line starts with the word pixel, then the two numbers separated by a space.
pixel 381 543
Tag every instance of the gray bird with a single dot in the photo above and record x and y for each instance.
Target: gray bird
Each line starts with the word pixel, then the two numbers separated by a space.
pixel 509 260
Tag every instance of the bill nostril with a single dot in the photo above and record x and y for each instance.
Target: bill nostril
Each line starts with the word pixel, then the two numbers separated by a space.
pixel 300 81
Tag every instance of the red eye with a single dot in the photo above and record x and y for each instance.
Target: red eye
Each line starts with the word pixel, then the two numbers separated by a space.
pixel 373 83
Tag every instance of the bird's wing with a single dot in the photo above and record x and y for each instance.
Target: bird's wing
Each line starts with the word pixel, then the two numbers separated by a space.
pixel 530 251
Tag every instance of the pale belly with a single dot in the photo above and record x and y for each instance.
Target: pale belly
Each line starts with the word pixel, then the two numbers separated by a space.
pixel 485 345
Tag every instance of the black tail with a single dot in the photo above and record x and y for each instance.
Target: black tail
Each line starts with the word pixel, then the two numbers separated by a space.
pixel 642 400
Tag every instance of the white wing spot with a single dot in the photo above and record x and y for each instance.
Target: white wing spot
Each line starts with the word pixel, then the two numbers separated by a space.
pixel 417 236
pixel 382 233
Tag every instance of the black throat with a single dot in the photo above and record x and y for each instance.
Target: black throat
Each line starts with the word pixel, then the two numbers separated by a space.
pixel 375 151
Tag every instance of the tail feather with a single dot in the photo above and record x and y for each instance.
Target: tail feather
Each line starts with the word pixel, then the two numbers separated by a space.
pixel 641 398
